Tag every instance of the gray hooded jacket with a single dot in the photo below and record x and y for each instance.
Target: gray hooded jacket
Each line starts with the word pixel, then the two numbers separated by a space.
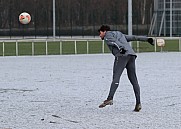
pixel 117 40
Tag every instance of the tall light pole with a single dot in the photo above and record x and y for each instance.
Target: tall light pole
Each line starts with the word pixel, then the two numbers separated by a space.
pixel 171 15
pixel 130 18
pixel 54 19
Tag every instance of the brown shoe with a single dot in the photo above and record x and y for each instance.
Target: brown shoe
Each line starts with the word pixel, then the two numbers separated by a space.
pixel 137 107
pixel 106 102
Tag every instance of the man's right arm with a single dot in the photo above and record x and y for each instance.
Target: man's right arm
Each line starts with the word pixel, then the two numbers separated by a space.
pixel 110 39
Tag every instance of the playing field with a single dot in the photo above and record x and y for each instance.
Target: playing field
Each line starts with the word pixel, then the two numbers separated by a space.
pixel 64 91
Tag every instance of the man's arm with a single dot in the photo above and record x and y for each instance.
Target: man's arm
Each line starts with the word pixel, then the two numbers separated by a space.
pixel 110 39
pixel 139 38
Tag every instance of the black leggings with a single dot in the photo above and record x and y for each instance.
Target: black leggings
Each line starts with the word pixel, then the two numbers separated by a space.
pixel 120 63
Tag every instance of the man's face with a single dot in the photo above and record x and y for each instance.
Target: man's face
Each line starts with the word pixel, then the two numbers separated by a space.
pixel 102 34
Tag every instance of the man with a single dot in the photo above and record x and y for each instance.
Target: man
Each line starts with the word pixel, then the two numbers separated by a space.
pixel 125 56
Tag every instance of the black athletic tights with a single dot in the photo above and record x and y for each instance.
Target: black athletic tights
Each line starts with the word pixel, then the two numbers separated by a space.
pixel 120 64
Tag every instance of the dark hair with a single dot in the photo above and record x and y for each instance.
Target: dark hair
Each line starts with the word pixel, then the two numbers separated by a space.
pixel 104 28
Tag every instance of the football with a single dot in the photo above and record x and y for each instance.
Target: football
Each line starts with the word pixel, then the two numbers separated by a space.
pixel 24 18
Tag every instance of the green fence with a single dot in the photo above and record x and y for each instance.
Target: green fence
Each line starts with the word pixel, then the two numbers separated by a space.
pixel 75 46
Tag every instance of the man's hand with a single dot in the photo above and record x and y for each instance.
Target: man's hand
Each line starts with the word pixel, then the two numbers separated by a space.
pixel 122 51
pixel 150 40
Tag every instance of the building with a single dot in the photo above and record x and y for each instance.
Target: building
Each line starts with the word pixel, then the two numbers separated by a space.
pixel 166 19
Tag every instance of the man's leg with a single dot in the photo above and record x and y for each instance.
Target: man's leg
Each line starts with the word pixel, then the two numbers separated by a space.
pixel 119 65
pixel 131 71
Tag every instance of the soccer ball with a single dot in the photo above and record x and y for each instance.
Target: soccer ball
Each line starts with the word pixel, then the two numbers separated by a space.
pixel 24 18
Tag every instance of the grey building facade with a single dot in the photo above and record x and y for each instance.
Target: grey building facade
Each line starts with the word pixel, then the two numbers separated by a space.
pixel 166 19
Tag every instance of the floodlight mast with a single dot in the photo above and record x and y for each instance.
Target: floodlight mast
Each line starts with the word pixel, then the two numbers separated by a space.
pixel 130 18
pixel 171 16
pixel 54 34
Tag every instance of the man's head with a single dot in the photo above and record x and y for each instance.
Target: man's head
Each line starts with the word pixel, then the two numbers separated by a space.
pixel 102 31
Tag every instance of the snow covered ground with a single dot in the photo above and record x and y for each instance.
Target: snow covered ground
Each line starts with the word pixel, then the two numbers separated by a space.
pixel 63 92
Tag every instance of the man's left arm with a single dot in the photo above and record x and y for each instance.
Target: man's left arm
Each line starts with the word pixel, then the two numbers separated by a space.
pixel 139 38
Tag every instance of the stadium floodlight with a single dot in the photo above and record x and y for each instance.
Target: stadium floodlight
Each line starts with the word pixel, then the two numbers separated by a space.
pixel 54 19
pixel 130 18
